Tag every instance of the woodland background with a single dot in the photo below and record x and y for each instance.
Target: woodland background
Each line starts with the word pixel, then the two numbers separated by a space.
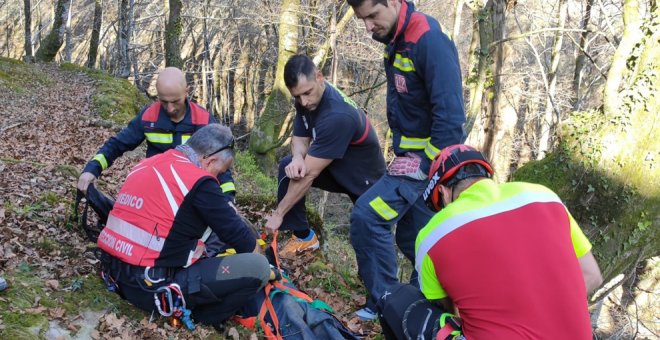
pixel 560 92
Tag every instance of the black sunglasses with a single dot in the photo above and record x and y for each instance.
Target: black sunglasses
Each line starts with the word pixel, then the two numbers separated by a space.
pixel 228 146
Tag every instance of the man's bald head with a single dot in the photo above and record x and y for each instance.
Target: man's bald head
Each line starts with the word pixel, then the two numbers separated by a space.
pixel 172 92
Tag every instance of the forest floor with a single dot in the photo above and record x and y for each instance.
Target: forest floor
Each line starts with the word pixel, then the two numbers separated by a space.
pixel 49 130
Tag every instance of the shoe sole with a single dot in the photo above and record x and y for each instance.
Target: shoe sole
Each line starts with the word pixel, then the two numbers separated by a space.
pixel 314 247
pixel 365 319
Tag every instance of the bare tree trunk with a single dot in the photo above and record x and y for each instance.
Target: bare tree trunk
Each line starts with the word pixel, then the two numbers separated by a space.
pixel 207 77
pixel 173 30
pixel 497 142
pixel 458 13
pixel 267 134
pixel 241 83
pixel 37 35
pixel 96 31
pixel 123 39
pixel 631 36
pixel 479 62
pixel 581 56
pixel 335 31
pixel 29 55
pixel 54 40
pixel 227 64
pixel 551 116
pixel 67 31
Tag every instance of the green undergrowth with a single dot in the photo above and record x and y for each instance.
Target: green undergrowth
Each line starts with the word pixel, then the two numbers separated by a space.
pixel 115 99
pixel 18 76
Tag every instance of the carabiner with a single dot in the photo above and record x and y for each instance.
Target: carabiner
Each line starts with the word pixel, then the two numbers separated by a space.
pixel 168 294
pixel 146 276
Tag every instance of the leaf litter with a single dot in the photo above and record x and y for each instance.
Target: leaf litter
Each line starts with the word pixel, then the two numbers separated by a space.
pixel 40 159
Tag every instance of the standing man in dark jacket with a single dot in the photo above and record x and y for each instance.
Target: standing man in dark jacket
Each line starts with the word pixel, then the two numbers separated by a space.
pixel 333 148
pixel 154 240
pixel 425 113
pixel 166 123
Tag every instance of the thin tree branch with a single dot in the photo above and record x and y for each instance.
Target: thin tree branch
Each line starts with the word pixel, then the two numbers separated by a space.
pixel 367 89
pixel 527 34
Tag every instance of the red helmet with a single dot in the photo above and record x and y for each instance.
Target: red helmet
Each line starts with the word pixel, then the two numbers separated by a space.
pixel 447 169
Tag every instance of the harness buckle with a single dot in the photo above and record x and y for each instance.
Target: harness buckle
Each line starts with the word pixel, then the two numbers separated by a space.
pixel 148 280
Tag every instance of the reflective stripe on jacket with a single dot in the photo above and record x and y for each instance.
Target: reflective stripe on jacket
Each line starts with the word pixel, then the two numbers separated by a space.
pixel 425 109
pixel 143 215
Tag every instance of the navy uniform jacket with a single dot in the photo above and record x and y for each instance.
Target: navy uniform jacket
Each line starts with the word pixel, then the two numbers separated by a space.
pixel 425 109
pixel 341 131
pixel 154 125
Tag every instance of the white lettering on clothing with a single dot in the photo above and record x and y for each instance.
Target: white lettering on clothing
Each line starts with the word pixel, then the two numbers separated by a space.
pixel 107 239
pixel 130 200
pixel 124 247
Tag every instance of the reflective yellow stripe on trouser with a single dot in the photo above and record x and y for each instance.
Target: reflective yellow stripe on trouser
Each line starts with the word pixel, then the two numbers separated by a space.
pixel 184 138
pixel 102 160
pixel 384 210
pixel 159 138
pixel 229 186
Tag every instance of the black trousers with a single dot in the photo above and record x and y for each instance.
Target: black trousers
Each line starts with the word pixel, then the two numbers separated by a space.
pixel 214 288
pixel 296 218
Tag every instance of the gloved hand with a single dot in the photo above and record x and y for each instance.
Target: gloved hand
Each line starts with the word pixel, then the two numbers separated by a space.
pixel 407 165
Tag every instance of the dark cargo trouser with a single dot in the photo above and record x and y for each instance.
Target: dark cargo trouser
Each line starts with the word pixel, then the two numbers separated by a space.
pixel 214 288
pixel 296 218
pixel 391 200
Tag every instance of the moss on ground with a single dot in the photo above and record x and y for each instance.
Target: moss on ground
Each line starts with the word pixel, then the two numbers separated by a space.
pixel 25 305
pixel 115 99
pixel 18 76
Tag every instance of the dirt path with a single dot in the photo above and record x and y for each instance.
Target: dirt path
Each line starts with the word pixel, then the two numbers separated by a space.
pixel 47 133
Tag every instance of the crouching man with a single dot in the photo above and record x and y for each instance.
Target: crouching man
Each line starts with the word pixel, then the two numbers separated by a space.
pixel 154 238
pixel 508 257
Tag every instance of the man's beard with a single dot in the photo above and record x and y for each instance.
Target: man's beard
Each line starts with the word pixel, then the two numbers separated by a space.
pixel 383 39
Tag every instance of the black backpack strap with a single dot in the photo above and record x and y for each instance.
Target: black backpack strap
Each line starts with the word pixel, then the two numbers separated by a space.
pixel 82 219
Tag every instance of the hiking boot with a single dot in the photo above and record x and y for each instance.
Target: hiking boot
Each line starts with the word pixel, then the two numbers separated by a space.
pixel 366 314
pixel 296 245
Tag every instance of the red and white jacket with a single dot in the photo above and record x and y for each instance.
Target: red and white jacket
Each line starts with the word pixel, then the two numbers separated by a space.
pixel 143 215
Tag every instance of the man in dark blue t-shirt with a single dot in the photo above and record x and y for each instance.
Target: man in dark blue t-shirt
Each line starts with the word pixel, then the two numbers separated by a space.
pixel 333 148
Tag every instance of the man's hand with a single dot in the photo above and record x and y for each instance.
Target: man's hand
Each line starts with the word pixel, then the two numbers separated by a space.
pixel 296 169
pixel 85 180
pixel 274 221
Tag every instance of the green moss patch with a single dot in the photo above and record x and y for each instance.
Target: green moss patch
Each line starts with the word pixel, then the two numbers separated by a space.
pixel 608 191
pixel 115 99
pixel 25 307
pixel 18 76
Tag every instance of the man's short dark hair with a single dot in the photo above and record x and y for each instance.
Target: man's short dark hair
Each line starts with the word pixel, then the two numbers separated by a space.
pixel 295 67
pixel 358 3
pixel 468 173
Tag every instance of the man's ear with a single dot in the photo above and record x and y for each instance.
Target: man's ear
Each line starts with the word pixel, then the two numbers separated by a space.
pixel 445 193
pixel 319 75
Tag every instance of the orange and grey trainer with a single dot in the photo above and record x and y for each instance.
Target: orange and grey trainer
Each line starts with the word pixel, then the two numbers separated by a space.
pixel 296 245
